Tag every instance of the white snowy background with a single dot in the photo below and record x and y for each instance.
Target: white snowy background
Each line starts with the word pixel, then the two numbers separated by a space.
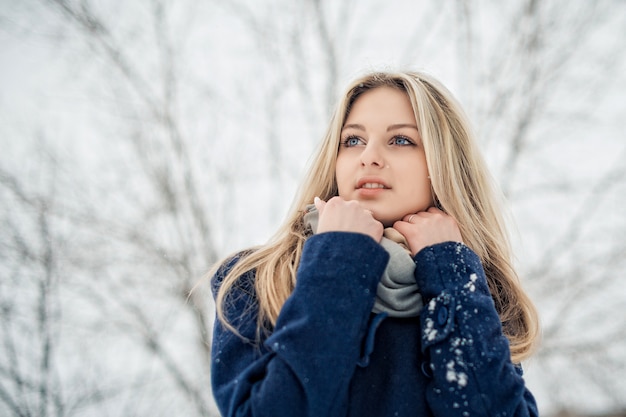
pixel 140 141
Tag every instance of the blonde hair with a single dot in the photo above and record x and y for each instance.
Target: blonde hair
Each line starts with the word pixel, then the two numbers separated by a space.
pixel 461 187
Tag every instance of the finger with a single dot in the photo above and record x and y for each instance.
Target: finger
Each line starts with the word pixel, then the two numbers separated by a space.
pixel 319 204
pixel 401 226
pixel 409 217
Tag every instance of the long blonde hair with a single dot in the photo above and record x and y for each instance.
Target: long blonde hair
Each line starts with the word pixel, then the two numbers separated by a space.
pixel 461 187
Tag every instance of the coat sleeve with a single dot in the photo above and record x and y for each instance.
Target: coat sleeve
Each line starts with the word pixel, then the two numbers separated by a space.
pixel 472 373
pixel 304 367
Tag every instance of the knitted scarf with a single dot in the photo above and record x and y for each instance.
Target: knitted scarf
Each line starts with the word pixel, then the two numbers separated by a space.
pixel 397 293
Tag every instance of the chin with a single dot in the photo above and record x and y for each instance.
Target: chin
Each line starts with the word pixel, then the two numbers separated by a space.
pixel 386 221
pixel 386 217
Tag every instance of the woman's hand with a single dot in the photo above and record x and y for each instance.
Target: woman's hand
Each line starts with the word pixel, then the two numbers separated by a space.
pixel 339 215
pixel 427 228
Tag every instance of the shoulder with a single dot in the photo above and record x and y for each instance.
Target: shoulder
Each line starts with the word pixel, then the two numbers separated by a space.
pixel 223 268
pixel 238 303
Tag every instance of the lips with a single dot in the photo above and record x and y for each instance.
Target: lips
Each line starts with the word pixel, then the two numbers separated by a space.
pixel 370 183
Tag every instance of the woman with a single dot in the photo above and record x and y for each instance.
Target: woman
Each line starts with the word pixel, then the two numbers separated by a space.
pixel 393 294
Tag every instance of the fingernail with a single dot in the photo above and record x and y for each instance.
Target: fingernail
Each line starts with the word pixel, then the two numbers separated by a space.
pixel 316 199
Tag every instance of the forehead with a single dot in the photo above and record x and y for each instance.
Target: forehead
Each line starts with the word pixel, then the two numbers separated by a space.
pixel 382 103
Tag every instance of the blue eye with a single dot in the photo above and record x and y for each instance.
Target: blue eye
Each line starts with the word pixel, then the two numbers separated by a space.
pixel 402 141
pixel 352 141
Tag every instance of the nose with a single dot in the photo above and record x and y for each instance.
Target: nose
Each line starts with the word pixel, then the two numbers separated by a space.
pixel 372 155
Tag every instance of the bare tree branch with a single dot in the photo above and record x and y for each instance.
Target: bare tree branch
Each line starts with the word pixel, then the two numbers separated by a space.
pixel 598 192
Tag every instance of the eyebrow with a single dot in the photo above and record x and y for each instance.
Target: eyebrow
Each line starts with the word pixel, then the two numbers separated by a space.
pixel 401 126
pixel 390 128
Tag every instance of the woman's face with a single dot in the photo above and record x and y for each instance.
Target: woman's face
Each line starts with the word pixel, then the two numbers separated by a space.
pixel 381 161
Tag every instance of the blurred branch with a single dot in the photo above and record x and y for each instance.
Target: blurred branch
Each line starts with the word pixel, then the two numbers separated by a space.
pixel 34 393
pixel 153 343
pixel 6 398
pixel 327 42
pixel 186 211
pixel 12 374
pixel 465 46
pixel 95 29
pixel 531 39
pixel 613 176
pixel 88 23
pixel 526 72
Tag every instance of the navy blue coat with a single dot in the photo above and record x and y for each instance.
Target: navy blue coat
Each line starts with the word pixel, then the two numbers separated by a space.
pixel 328 355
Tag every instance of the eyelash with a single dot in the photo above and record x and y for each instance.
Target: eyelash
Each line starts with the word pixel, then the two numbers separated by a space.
pixel 409 141
pixel 345 142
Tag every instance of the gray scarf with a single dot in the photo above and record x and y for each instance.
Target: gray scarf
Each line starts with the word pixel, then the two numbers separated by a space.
pixel 397 293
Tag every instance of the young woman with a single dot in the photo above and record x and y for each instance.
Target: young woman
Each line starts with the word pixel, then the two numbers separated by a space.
pixel 389 290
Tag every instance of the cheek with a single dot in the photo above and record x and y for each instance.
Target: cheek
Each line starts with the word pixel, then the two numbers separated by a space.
pixel 421 187
pixel 340 175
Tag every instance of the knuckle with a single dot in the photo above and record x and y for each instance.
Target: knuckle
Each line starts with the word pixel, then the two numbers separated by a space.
pixel 334 202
